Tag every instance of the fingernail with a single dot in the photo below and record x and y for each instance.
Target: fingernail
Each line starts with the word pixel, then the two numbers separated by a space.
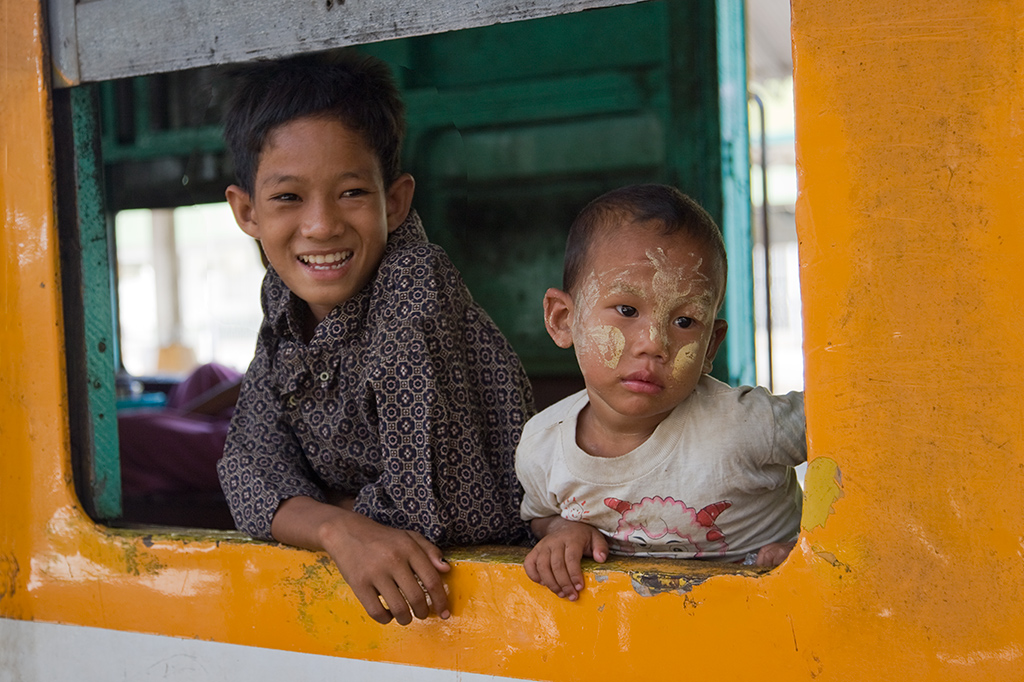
pixel 443 560
pixel 445 614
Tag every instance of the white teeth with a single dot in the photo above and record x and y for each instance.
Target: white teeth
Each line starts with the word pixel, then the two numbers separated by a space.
pixel 327 259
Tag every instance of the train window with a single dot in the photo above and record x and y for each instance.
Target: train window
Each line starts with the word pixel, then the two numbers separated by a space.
pixel 512 128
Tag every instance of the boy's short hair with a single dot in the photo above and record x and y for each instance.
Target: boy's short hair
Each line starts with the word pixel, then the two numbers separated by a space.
pixel 357 90
pixel 640 204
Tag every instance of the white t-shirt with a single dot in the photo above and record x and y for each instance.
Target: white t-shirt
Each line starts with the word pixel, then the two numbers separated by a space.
pixel 714 481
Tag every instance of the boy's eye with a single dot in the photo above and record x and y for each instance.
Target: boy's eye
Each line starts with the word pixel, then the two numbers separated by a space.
pixel 285 196
pixel 626 310
pixel 353 192
pixel 684 322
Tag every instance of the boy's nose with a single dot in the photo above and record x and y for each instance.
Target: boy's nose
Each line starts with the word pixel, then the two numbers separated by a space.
pixel 322 221
pixel 651 340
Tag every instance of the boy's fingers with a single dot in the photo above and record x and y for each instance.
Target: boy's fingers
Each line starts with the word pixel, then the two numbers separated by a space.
pixel 573 567
pixel 414 596
pixel 396 604
pixel 599 547
pixel 560 571
pixel 427 573
pixel 545 575
pixel 530 564
pixel 430 586
pixel 370 599
pixel 433 552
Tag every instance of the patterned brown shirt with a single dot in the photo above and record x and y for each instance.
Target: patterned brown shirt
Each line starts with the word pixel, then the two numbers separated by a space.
pixel 407 398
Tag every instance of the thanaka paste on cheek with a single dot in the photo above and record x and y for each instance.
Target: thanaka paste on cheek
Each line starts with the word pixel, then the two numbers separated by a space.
pixel 609 342
pixel 686 356
pixel 605 341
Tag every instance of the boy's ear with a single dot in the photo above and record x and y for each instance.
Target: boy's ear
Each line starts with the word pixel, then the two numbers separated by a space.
pixel 399 200
pixel 717 336
pixel 558 312
pixel 241 206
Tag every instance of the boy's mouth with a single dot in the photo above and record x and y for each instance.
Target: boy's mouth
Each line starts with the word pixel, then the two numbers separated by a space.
pixel 642 382
pixel 326 261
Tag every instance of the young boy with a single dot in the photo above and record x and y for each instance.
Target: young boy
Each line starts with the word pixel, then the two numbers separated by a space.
pixel 379 417
pixel 654 457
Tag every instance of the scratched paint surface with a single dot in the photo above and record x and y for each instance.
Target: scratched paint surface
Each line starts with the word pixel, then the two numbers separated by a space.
pixel 909 143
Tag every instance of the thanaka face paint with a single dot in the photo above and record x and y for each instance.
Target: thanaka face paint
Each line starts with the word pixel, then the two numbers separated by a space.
pixel 643 321
pixel 686 356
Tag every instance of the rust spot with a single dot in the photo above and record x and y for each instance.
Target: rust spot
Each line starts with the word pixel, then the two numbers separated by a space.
pixel 138 562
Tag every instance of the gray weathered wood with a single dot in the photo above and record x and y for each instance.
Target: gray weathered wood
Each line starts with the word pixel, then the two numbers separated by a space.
pixel 63 42
pixel 120 38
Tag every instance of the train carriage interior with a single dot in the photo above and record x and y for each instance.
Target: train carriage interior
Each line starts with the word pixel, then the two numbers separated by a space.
pixel 512 128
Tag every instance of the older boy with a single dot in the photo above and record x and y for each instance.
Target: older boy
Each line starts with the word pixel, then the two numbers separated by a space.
pixel 379 417
pixel 654 457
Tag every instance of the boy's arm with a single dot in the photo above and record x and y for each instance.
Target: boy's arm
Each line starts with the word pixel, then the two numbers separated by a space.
pixel 555 561
pixel 774 553
pixel 376 561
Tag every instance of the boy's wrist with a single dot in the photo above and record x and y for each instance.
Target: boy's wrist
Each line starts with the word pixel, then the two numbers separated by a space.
pixel 334 530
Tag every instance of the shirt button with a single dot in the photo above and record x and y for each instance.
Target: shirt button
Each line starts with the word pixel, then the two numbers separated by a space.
pixel 324 376
pixel 293 401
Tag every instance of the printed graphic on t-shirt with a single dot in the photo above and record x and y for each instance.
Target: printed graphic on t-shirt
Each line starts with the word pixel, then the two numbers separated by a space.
pixel 663 524
pixel 574 510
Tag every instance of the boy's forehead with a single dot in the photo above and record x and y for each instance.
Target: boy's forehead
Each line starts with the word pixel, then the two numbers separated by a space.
pixel 312 130
pixel 661 250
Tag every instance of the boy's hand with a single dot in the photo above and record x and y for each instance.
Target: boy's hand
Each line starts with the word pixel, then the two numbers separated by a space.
pixel 774 553
pixel 555 561
pixel 376 561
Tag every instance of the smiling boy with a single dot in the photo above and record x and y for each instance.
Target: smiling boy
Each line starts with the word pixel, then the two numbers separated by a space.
pixel 379 417
pixel 654 457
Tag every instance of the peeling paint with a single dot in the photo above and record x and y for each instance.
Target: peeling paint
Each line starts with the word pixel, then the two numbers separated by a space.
pixel 650 584
pixel 831 558
pixel 823 486
pixel 662 580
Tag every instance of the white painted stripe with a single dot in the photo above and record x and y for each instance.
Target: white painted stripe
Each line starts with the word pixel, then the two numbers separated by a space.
pixel 44 652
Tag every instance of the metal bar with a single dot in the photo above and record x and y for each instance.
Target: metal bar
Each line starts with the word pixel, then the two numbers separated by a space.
pixel 97 297
pixel 765 238
pixel 735 178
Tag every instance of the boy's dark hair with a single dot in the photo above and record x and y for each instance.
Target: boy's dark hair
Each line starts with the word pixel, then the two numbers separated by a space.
pixel 355 89
pixel 635 204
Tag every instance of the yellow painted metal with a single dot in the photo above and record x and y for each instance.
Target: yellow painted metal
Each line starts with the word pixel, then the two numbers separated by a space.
pixel 910 565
